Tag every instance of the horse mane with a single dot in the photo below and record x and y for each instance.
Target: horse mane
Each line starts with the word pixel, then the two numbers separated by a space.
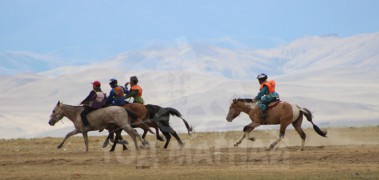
pixel 247 100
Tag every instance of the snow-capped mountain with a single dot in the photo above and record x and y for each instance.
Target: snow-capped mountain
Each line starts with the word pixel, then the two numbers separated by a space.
pixel 334 77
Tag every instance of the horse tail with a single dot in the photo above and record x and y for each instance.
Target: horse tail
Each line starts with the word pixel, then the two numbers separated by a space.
pixel 131 114
pixel 176 113
pixel 135 118
pixel 308 114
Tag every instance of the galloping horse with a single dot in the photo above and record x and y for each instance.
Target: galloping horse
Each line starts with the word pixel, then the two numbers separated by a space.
pixel 158 118
pixel 282 113
pixel 98 119
pixel 143 119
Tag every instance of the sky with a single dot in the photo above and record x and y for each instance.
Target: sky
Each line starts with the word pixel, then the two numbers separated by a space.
pixel 91 30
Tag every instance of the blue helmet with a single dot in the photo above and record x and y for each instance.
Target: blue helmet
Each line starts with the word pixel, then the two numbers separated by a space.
pixel 262 77
pixel 113 82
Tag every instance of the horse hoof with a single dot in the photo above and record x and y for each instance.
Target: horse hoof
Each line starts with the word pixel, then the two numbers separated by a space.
pixel 236 145
pixel 271 146
pixel 106 143
pixel 252 138
pixel 160 138
pixel 181 145
pixel 144 143
pixel 123 142
pixel 59 146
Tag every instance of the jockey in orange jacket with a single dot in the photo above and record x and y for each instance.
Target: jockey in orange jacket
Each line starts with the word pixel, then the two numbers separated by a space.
pixel 135 90
pixel 266 94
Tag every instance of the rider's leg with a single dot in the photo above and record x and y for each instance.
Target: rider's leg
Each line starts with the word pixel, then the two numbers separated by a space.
pixel 263 114
pixel 83 115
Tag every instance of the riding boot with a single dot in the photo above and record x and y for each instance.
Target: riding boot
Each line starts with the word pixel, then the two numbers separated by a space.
pixel 83 115
pixel 85 122
pixel 263 117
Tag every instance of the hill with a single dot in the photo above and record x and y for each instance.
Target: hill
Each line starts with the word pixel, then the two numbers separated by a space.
pixel 334 77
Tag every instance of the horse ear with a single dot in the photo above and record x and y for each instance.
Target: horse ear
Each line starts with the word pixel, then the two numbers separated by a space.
pixel 58 103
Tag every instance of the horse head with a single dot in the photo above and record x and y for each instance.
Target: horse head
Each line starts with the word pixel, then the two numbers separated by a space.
pixel 57 114
pixel 234 111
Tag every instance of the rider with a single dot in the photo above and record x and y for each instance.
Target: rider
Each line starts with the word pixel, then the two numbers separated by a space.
pixel 135 90
pixel 95 100
pixel 116 96
pixel 266 94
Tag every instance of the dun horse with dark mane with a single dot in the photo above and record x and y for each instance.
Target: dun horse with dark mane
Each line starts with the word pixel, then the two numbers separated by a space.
pixel 283 113
pixel 99 119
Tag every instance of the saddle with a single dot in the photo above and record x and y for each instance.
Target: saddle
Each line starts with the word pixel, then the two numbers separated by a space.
pixel 269 106
pixel 272 104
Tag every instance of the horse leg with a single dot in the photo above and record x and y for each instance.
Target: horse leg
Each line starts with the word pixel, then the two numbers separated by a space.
pixel 132 134
pixel 240 140
pixel 106 142
pixel 168 137
pixel 117 140
pixel 176 136
pixel 85 136
pixel 114 144
pixel 119 137
pixel 144 134
pixel 67 136
pixel 282 131
pixel 247 129
pixel 297 126
pixel 159 137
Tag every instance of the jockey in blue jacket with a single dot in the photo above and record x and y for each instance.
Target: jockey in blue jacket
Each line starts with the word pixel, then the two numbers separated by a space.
pixel 266 94
pixel 116 95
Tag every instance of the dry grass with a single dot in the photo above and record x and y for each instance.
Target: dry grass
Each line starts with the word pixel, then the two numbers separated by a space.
pixel 346 153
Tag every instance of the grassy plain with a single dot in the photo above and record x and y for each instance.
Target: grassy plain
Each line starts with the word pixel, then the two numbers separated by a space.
pixel 347 153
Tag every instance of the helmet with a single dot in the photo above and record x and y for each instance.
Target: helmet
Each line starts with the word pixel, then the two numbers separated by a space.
pixel 262 77
pixel 96 84
pixel 113 82
pixel 134 79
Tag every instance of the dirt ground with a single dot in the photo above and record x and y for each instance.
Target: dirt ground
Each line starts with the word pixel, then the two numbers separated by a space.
pixel 347 153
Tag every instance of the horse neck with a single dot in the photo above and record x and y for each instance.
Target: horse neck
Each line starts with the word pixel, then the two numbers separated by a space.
pixel 71 112
pixel 245 107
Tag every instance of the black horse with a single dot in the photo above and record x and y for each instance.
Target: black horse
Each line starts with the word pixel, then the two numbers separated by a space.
pixel 158 118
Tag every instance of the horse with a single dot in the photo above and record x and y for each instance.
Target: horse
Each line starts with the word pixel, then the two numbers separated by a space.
pixel 279 112
pixel 142 121
pixel 158 118
pixel 143 116
pixel 98 119
pixel 161 119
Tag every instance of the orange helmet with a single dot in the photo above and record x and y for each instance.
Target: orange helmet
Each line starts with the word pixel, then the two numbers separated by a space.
pixel 96 84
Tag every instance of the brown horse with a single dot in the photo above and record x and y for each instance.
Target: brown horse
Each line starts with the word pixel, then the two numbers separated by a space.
pixel 283 113
pixel 156 117
pixel 143 121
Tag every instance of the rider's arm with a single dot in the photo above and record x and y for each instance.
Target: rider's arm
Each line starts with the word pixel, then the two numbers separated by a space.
pixel 110 97
pixel 132 93
pixel 88 98
pixel 126 91
pixel 262 92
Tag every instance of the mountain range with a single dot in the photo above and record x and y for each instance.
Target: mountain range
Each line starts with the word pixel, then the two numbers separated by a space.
pixel 336 78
